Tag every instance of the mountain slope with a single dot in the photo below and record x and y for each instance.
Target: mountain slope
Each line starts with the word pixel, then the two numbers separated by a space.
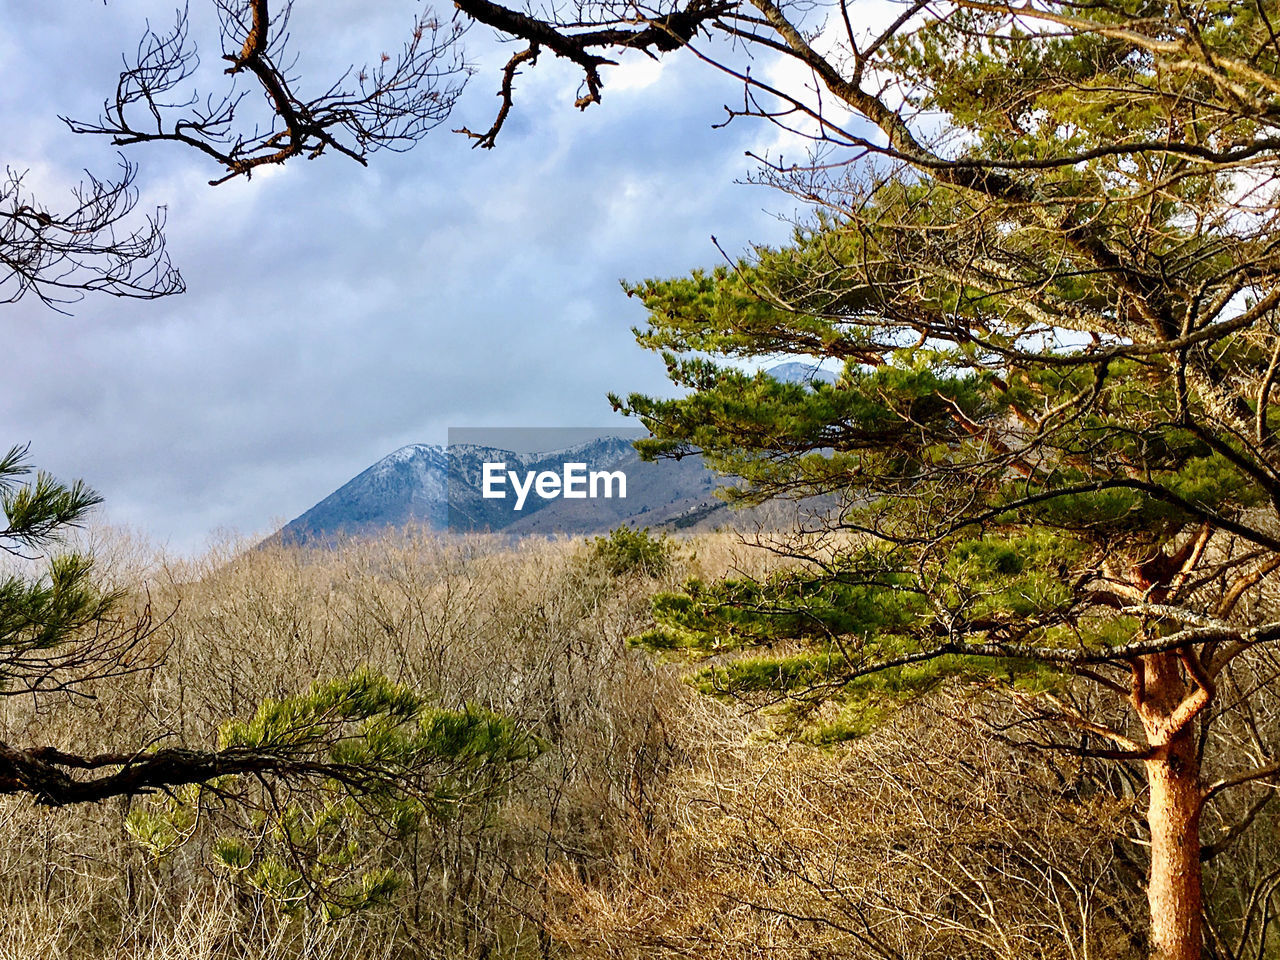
pixel 441 488
pixel 410 485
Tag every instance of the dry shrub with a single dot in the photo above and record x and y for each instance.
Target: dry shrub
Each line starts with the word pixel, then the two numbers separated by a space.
pixel 659 824
pixel 926 840
pixel 530 629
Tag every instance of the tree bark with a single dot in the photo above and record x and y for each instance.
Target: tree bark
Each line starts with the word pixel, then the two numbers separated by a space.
pixel 1174 890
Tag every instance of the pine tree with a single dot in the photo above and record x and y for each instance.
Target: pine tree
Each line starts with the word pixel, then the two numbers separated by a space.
pixel 1053 431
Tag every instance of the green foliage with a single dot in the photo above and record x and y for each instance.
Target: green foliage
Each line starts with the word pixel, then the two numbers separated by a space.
pixel 1017 453
pixel 307 787
pixel 314 859
pixel 42 612
pixel 37 512
pixel 806 642
pixel 366 764
pixel 162 831
pixel 626 551
pixel 232 852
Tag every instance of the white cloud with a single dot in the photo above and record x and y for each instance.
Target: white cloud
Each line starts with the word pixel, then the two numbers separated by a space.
pixel 336 313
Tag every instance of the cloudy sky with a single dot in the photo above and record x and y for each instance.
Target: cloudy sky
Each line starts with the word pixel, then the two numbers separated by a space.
pixel 335 313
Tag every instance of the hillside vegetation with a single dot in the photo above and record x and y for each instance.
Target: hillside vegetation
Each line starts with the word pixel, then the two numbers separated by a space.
pixel 654 822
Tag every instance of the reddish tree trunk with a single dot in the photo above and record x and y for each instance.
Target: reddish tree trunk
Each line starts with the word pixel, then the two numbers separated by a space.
pixel 1174 890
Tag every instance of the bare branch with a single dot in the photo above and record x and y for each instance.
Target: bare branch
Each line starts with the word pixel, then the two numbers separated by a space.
pixel 390 105
pixel 94 246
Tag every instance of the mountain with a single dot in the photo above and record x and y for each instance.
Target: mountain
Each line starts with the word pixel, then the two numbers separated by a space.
pixel 442 488
pixel 796 372
pixel 410 485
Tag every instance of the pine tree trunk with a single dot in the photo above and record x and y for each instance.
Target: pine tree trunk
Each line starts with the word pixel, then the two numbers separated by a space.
pixel 1174 888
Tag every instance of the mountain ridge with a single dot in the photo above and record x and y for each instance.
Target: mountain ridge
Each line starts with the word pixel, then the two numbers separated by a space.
pixel 440 487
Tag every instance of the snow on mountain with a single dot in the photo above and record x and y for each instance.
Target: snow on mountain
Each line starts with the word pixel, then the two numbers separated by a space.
pixel 441 487
pixel 796 372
